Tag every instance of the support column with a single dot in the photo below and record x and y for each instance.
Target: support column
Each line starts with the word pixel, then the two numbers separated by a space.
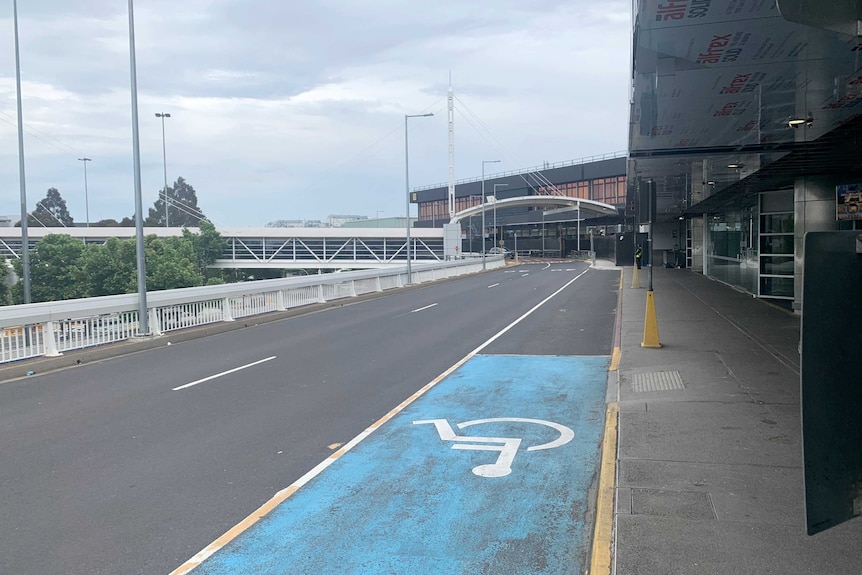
pixel 814 211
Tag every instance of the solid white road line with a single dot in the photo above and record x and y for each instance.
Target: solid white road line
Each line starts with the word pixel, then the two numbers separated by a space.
pixel 423 308
pixel 222 373
pixel 493 285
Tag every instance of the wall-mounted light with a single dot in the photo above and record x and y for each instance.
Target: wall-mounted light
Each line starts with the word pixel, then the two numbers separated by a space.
pixel 796 122
pixel 734 166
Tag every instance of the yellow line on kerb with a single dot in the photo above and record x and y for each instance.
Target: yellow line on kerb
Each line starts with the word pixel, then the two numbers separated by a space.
pixel 615 359
pixel 600 562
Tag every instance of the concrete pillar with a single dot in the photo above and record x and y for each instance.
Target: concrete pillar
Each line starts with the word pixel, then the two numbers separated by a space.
pixel 814 210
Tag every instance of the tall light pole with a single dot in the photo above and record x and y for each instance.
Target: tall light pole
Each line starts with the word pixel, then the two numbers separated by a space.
pixel 164 162
pixel 407 192
pixel 495 214
pixel 86 198
pixel 25 240
pixel 143 319
pixel 483 207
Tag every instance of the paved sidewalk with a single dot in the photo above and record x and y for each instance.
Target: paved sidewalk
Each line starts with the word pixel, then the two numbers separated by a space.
pixel 709 469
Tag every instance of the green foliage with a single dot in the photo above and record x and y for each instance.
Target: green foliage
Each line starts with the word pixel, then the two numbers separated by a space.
pixel 108 269
pixel 53 268
pixel 171 263
pixel 5 289
pixel 208 244
pixel 50 212
pixel 64 268
pixel 183 210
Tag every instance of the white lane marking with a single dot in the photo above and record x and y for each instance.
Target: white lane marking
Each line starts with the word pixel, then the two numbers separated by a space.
pixel 493 285
pixel 224 373
pixel 524 275
pixel 423 308
pixel 546 266
pixel 285 493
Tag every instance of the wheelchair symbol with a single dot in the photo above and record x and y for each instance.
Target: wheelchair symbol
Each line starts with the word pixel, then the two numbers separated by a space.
pixel 507 446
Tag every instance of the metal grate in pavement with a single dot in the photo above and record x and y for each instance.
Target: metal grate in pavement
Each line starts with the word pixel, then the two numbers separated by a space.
pixel 657 381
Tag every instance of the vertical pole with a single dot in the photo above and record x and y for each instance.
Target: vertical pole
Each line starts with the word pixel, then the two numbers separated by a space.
pixel 143 319
pixel 650 189
pixel 165 165
pixel 407 199
pixel 483 215
pixel 25 240
pixel 579 227
pixel 86 193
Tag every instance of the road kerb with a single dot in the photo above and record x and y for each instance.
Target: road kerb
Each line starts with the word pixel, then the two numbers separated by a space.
pixel 600 561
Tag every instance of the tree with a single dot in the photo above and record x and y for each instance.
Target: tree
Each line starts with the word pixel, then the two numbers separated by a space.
pixel 208 246
pixel 54 262
pixel 171 263
pixel 50 212
pixel 108 269
pixel 183 208
pixel 5 272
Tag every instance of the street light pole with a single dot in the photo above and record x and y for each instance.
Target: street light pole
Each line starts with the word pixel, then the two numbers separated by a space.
pixel 407 185
pixel 143 318
pixel 86 194
pixel 495 214
pixel 164 162
pixel 483 207
pixel 25 240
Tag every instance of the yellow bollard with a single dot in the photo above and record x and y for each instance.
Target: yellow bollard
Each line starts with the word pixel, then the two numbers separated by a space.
pixel 636 278
pixel 650 323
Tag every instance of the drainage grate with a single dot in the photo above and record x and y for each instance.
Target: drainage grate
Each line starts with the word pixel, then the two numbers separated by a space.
pixel 657 381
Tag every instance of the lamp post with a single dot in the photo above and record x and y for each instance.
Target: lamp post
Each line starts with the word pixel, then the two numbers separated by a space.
pixel 86 198
pixel 143 319
pixel 164 162
pixel 407 191
pixel 25 241
pixel 495 213
pixel 483 207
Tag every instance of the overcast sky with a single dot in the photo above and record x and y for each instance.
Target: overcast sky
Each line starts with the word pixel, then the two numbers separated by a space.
pixel 294 109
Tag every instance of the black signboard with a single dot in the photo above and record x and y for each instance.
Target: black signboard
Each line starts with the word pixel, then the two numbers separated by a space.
pixel 831 378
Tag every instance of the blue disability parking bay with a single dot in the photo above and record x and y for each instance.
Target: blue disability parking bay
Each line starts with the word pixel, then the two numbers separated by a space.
pixel 487 472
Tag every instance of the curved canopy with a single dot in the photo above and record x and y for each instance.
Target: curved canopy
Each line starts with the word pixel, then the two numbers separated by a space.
pixel 588 208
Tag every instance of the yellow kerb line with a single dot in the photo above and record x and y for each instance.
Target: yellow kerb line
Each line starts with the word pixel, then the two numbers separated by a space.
pixel 600 562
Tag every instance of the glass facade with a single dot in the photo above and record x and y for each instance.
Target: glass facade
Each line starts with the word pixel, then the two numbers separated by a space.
pixel 610 190
pixel 732 249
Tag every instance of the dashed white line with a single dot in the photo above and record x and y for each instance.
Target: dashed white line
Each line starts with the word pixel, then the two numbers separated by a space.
pixel 224 373
pixel 493 285
pixel 423 308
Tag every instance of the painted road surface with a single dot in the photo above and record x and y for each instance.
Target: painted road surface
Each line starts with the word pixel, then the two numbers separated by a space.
pixel 422 495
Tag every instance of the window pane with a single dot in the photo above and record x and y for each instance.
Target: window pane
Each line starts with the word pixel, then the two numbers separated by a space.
pixel 781 244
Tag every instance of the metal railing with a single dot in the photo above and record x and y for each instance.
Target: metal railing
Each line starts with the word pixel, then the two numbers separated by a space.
pixel 51 328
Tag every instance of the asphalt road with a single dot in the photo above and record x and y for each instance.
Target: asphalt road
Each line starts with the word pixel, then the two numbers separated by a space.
pixel 106 468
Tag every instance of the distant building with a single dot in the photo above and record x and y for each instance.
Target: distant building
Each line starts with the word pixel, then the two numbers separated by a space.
pixel 337 220
pixel 394 222
pixel 286 224
pixel 9 221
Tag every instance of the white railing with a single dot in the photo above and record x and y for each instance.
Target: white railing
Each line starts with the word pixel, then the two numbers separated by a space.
pixel 51 328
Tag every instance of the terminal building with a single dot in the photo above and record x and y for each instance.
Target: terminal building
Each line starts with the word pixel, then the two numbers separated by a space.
pixel 745 134
pixel 537 230
pixel 746 120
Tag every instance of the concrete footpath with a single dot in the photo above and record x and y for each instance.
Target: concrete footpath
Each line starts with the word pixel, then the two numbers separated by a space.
pixel 709 462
